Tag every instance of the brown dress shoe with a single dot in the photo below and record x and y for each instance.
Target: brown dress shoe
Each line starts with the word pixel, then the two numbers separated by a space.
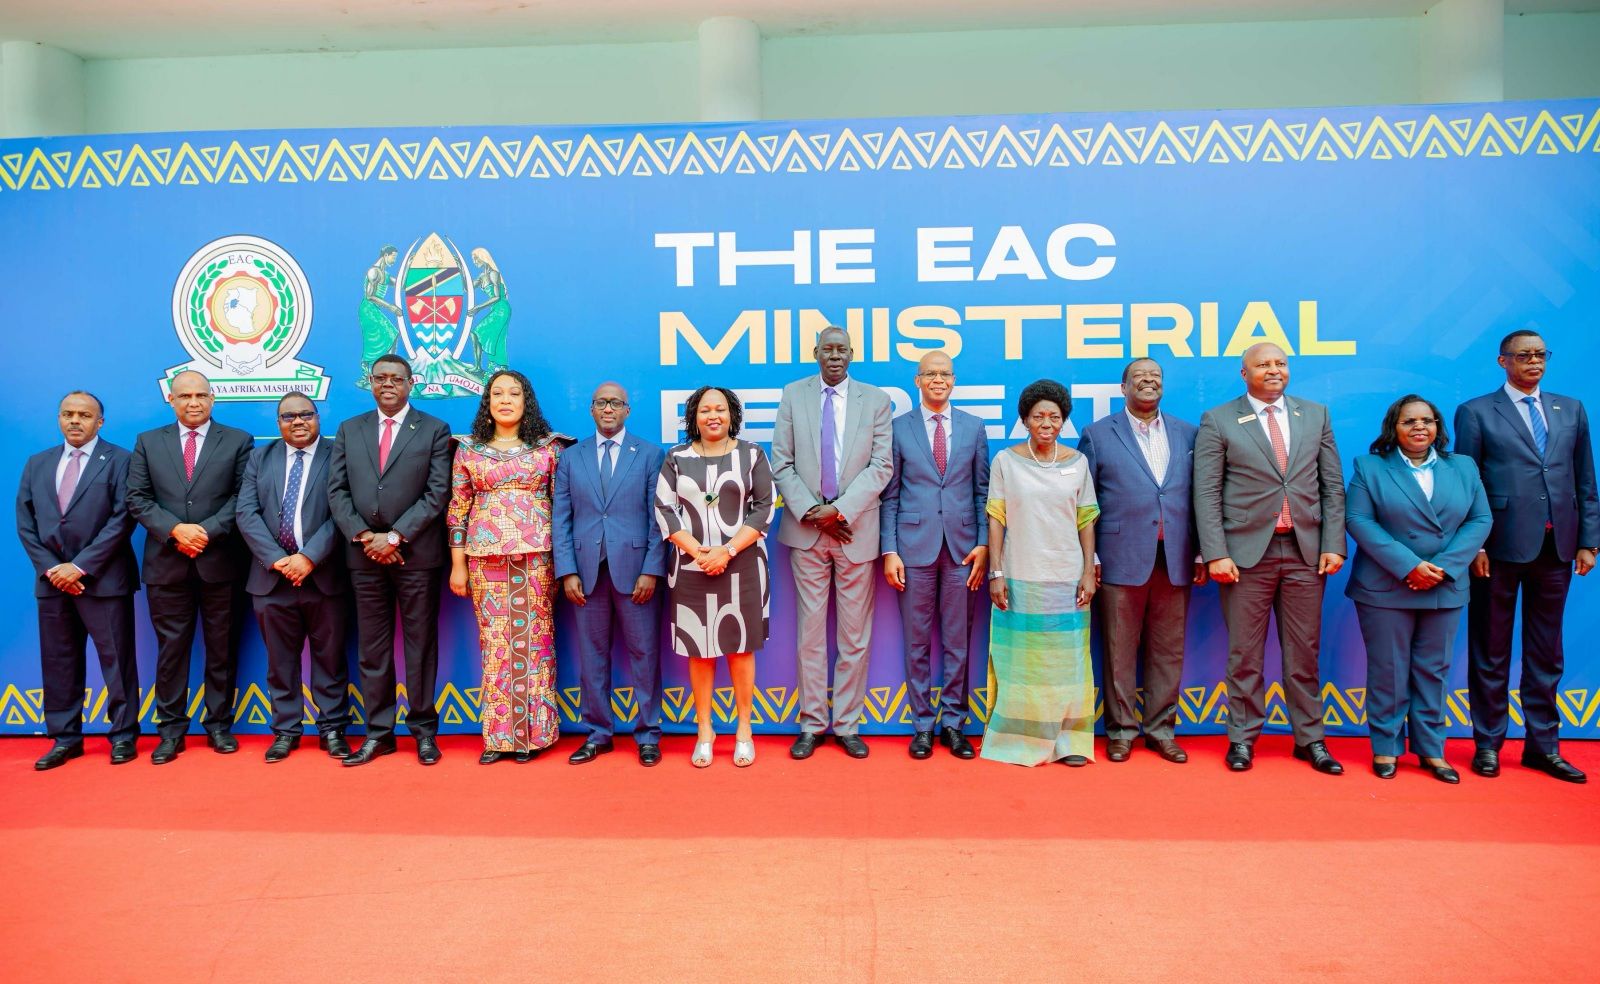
pixel 1167 749
pixel 1118 749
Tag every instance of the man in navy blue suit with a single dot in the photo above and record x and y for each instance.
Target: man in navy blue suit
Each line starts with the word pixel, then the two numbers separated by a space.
pixel 934 539
pixel 1533 454
pixel 297 581
pixel 72 518
pixel 1142 462
pixel 610 557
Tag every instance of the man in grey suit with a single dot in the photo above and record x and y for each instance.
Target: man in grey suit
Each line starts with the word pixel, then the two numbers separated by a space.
pixel 1533 453
pixel 1141 461
pixel 831 459
pixel 935 548
pixel 1269 508
pixel 297 582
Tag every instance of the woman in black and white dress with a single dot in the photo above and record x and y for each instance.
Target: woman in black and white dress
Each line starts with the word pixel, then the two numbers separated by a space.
pixel 714 501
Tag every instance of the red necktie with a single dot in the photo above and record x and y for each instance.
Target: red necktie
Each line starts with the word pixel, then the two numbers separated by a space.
pixel 1280 452
pixel 384 440
pixel 941 451
pixel 190 452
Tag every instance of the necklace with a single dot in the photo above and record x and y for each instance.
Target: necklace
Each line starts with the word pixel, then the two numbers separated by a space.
pixel 705 451
pixel 1055 450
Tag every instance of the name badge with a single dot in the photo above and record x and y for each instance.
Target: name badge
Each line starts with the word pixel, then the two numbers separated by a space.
pixel 1247 418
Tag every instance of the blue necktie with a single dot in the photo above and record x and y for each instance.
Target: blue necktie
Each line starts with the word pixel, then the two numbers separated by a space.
pixel 606 467
pixel 1540 435
pixel 291 502
pixel 830 463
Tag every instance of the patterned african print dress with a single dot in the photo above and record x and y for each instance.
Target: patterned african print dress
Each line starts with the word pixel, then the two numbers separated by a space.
pixel 500 513
pixel 713 498
pixel 1041 683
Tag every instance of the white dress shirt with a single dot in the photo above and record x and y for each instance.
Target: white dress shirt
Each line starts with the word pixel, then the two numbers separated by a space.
pixel 305 479
pixel 1516 396
pixel 1423 472
pixel 841 399
pixel 199 439
pixel 600 452
pixel 83 463
pixel 399 421
pixel 1282 414
pixel 927 424
pixel 1157 452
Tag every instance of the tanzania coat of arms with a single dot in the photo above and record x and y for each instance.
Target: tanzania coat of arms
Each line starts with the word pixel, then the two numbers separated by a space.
pixel 450 328
pixel 242 309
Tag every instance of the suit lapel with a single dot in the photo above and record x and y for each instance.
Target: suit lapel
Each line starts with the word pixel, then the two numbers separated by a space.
pixel 588 452
pixel 1513 416
pixel 1124 432
pixel 1554 418
pixel 1255 431
pixel 1299 430
pixel 1400 473
pixel 170 440
pixel 319 464
pixel 852 423
pixel 208 451
pixel 810 424
pixel 919 437
pixel 92 467
pixel 402 437
pixel 626 453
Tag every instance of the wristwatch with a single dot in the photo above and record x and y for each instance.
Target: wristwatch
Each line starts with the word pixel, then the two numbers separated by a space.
pixel 996 575
pixel 393 538
pixel 733 551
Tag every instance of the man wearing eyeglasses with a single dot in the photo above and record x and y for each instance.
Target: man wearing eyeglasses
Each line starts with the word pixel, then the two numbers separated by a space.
pixel 388 481
pixel 609 560
pixel 297 580
pixel 1533 452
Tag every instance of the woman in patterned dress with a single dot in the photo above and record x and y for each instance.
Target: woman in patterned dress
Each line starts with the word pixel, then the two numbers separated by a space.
pixel 499 520
pixel 714 501
pixel 1041 529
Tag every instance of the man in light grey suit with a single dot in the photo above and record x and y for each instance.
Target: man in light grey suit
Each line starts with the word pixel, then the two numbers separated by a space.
pixel 1269 510
pixel 831 459
pixel 935 548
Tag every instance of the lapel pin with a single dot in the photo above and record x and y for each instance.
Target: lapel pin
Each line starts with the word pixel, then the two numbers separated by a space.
pixel 1555 406
pixel 1247 418
pixel 1295 412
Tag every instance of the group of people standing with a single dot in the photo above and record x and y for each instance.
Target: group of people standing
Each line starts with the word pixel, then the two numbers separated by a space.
pixel 1146 507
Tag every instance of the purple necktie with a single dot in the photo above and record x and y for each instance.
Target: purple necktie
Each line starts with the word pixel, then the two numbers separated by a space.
pixel 830 463
pixel 69 478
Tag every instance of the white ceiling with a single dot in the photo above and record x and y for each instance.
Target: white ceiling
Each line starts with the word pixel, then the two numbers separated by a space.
pixel 174 28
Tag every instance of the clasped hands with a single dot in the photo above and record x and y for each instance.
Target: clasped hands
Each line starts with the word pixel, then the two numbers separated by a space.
pixel 191 538
pixel 296 567
pixel 66 578
pixel 828 519
pixel 378 548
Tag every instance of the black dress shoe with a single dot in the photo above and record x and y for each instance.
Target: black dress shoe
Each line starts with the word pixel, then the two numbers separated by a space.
pixel 853 745
pixel 334 744
pixel 959 746
pixel 1554 765
pixel 649 754
pixel 224 743
pixel 1240 756
pixel 428 750
pixel 125 751
pixel 1486 762
pixel 167 749
pixel 1075 761
pixel 804 745
pixel 1383 770
pixel 490 757
pixel 921 745
pixel 1118 749
pixel 1443 773
pixel 1318 755
pixel 58 756
pixel 281 746
pixel 1167 749
pixel 588 752
pixel 371 749
pixel 523 758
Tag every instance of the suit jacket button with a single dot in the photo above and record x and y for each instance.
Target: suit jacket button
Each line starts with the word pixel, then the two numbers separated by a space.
pixel 380 488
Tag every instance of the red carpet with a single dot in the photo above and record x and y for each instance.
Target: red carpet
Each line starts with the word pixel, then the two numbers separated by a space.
pixel 226 869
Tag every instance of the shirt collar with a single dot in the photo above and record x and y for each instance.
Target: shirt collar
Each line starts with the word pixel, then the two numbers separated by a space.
pixel 1426 463
pixel 1260 405
pixel 927 413
pixel 1517 395
pixel 399 417
pixel 619 437
pixel 87 449
pixel 839 389
pixel 310 449
pixel 202 430
pixel 1136 423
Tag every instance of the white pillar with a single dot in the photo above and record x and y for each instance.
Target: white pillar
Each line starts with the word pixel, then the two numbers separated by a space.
pixel 730 69
pixel 41 90
pixel 1463 51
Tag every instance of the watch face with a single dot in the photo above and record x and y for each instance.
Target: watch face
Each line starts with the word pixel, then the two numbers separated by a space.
pixel 394 538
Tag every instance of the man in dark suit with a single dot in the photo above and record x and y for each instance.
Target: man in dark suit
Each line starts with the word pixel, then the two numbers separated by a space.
pixel 183 487
pixel 1141 461
pixel 388 481
pixel 1269 510
pixel 934 537
pixel 72 518
pixel 1533 454
pixel 298 577
pixel 609 557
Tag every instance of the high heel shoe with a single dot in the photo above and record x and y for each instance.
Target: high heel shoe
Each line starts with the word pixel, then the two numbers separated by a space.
pixel 744 753
pixel 1443 773
pixel 702 754
pixel 1383 770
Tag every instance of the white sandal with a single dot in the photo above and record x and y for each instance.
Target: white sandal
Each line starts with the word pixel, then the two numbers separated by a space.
pixel 744 753
pixel 702 754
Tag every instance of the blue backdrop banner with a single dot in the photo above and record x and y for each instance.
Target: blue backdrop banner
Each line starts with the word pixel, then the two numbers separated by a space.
pixel 1386 249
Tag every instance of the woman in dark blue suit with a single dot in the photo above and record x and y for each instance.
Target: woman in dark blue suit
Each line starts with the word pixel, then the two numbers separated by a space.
pixel 1418 515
